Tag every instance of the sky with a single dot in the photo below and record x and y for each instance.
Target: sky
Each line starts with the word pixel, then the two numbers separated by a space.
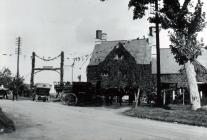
pixel 48 27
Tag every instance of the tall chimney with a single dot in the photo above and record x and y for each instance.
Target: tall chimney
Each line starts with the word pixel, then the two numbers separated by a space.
pixel 99 34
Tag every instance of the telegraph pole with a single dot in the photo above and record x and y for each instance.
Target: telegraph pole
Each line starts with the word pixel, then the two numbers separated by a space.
pixel 17 51
pixel 32 73
pixel 61 70
pixel 61 67
pixel 159 100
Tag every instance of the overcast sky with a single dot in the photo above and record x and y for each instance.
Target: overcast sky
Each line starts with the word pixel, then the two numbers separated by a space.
pixel 51 26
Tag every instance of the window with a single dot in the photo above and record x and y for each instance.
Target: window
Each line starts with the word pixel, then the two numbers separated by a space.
pixel 118 57
pixel 105 74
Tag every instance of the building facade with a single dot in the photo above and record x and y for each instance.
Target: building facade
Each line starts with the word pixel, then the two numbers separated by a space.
pixel 120 63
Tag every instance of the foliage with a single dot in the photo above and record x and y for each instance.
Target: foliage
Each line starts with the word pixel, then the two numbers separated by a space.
pixel 172 113
pixel 140 6
pixel 9 81
pixel 17 83
pixel 185 24
pixel 5 77
pixel 182 51
pixel 120 67
pixel 6 124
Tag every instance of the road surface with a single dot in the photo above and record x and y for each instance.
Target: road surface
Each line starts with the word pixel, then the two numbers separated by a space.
pixel 53 121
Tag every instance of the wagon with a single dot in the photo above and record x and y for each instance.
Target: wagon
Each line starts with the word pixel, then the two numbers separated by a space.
pixel 76 93
pixel 85 93
pixel 41 91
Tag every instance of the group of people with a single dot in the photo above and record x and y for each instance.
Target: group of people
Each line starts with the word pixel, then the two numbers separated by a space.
pixel 5 91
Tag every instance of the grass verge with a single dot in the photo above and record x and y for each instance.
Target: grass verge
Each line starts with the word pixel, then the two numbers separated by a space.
pixel 172 113
pixel 6 124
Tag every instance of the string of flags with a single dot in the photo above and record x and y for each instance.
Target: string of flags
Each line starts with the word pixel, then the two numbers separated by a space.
pixel 83 63
pixel 78 58
pixel 82 58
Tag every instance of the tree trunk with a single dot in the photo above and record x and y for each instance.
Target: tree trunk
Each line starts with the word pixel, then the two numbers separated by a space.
pixel 137 98
pixel 192 84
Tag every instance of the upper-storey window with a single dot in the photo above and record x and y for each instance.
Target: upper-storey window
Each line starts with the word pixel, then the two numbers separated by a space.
pixel 118 57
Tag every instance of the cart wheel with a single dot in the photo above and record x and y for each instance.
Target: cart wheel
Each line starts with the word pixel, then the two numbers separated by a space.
pixel 70 99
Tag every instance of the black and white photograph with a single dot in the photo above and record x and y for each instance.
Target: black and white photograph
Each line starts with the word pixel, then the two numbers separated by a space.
pixel 103 70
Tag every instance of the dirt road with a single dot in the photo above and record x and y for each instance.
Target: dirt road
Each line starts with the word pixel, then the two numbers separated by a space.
pixel 53 121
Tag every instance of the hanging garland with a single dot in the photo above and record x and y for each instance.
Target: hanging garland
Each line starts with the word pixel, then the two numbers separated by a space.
pixel 50 59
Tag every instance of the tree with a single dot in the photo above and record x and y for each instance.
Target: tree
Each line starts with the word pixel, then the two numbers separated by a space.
pixel 186 21
pixel 5 77
pixel 17 82
pixel 9 81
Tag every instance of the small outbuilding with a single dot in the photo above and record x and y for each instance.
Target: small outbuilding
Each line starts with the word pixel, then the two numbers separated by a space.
pixel 173 75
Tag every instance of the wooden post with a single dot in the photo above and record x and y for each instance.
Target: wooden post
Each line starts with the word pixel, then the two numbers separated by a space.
pixel 137 98
pixel 164 97
pixel 173 96
pixel 201 94
pixel 183 96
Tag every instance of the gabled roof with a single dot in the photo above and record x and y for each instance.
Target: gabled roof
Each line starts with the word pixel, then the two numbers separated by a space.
pixel 139 49
pixel 170 66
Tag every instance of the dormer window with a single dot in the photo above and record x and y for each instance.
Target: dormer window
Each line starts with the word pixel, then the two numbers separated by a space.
pixel 118 57
pixel 121 57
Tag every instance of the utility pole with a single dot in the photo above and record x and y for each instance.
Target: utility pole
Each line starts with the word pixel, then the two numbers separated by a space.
pixel 18 52
pixel 159 100
pixel 32 73
pixel 61 67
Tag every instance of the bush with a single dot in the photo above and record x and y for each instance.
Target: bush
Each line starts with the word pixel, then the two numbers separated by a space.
pixel 6 124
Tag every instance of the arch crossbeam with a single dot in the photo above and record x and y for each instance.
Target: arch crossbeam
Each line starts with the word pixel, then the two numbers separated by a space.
pixel 39 70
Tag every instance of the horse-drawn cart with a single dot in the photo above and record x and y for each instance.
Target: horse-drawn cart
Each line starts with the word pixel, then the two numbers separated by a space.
pixel 41 91
pixel 76 93
pixel 85 93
